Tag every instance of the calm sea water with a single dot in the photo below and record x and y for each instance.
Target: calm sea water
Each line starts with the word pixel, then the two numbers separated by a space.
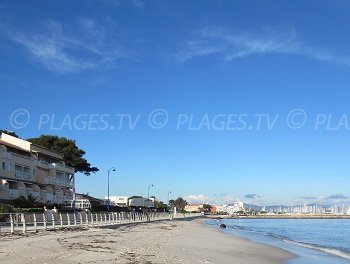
pixel 315 241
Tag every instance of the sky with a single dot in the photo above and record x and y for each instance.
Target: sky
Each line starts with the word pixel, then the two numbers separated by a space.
pixel 215 101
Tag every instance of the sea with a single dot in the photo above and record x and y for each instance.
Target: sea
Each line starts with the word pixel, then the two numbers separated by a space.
pixel 314 241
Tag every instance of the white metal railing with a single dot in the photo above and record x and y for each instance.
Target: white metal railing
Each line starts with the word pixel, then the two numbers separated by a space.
pixel 13 193
pixel 61 182
pixel 62 166
pixel 27 175
pixel 33 222
pixel 50 180
pixel 21 156
pixel 43 164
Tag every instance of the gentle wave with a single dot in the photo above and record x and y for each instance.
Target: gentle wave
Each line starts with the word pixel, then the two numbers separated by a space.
pixel 332 251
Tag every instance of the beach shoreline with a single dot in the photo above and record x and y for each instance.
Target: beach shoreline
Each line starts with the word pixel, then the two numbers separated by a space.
pixel 157 242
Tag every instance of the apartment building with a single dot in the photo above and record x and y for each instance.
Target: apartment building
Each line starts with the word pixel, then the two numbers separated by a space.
pixel 194 208
pixel 26 168
pixel 118 200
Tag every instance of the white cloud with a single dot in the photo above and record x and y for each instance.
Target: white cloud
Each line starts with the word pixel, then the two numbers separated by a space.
pixel 193 198
pixel 234 45
pixel 64 53
pixel 253 196
pixel 216 199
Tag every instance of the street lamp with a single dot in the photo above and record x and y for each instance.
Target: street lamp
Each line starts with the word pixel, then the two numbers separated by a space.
pixel 149 187
pixel 111 169
pixel 168 196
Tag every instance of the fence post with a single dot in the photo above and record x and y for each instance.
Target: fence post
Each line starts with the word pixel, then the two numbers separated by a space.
pixel 92 219
pixel 35 223
pixel 23 219
pixel 12 226
pixel 53 221
pixel 45 221
pixel 75 219
pixel 109 218
pixel 68 219
pixel 86 218
pixel 61 220
pixel 81 218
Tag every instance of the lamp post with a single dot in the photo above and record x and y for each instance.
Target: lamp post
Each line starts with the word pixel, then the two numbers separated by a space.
pixel 149 187
pixel 108 205
pixel 168 196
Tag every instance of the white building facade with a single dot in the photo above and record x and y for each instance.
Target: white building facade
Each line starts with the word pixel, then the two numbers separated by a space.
pixel 29 169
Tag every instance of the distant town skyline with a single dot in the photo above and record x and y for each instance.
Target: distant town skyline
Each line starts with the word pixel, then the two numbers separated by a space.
pixel 230 103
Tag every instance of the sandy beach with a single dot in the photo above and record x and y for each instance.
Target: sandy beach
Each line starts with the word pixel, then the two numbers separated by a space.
pixel 156 242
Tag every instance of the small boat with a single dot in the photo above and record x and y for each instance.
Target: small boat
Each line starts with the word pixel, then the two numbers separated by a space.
pixel 222 226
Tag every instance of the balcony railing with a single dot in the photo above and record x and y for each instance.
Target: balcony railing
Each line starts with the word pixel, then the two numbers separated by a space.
pixel 15 193
pixel 59 198
pixel 61 182
pixel 50 180
pixel 6 155
pixel 43 164
pixel 68 197
pixel 23 175
pixel 33 193
pixel 69 184
pixel 59 165
pixel 21 156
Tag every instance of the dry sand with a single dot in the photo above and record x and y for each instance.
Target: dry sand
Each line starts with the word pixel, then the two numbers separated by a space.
pixel 156 242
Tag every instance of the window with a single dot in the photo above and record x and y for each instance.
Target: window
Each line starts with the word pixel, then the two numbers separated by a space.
pixel 34 172
pixel 6 166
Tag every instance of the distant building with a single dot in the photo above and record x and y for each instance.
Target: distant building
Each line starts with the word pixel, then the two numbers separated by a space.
pixel 194 208
pixel 30 169
pixel 213 209
pixel 118 200
pixel 84 201
pixel 231 208
pixel 141 202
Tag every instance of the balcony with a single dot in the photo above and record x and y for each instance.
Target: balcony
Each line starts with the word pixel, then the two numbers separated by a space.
pixel 6 155
pixel 62 167
pixel 43 164
pixel 33 193
pixel 61 182
pixel 68 197
pixel 21 156
pixel 59 198
pixel 50 180
pixel 69 184
pixel 15 193
pixel 23 175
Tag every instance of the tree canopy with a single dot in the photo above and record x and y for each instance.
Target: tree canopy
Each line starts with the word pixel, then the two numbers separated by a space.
pixel 179 203
pixel 72 155
pixel 11 133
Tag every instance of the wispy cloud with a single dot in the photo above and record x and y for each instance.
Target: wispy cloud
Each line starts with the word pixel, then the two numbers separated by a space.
pixel 337 197
pixel 234 45
pixel 253 196
pixel 310 197
pixel 64 52
pixel 117 3
pixel 216 199
pixel 197 198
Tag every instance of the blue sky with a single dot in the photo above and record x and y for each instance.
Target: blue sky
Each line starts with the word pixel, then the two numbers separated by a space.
pixel 201 66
